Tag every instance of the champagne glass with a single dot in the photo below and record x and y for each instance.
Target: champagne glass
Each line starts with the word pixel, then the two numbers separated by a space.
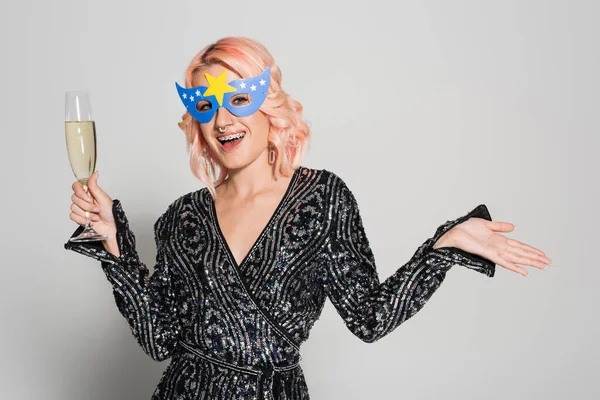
pixel 80 132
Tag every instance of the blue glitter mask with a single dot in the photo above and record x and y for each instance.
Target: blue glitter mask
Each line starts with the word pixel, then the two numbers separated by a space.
pixel 242 97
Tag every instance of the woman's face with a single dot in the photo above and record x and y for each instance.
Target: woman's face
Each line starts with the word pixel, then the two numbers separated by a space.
pixel 253 129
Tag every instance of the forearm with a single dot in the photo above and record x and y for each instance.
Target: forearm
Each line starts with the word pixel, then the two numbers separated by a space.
pixel 148 304
pixel 398 298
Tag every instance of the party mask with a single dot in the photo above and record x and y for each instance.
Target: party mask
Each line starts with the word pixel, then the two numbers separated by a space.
pixel 242 97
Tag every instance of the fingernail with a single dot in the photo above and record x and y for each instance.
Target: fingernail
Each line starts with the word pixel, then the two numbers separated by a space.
pixel 88 199
pixel 96 218
pixel 96 209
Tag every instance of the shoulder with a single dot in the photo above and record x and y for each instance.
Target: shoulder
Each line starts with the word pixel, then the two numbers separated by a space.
pixel 321 176
pixel 180 206
pixel 332 184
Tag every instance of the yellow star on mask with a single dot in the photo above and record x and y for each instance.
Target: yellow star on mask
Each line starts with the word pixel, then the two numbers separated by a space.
pixel 218 87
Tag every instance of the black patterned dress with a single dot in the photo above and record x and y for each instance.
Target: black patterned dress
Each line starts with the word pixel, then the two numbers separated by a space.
pixel 234 331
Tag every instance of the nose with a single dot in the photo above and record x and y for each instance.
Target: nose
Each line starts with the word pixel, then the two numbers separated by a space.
pixel 223 119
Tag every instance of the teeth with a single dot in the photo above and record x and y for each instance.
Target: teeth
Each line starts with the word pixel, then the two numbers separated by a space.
pixel 231 137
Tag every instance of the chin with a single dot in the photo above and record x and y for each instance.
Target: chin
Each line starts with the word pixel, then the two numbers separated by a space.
pixel 238 161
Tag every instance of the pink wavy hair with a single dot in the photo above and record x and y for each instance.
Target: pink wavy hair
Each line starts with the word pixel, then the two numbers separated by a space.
pixel 288 132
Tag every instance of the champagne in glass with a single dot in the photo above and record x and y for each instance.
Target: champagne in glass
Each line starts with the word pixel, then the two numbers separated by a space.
pixel 81 147
pixel 80 134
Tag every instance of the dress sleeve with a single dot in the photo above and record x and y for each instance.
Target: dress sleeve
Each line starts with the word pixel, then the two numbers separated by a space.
pixel 371 309
pixel 148 303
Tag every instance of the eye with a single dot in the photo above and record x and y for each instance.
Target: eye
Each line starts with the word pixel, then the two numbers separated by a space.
pixel 240 100
pixel 203 106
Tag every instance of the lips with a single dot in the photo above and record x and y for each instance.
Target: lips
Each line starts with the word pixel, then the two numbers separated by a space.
pixel 231 136
pixel 230 141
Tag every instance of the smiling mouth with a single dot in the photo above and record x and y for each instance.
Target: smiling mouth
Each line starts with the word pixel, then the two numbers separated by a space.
pixel 230 141
pixel 232 137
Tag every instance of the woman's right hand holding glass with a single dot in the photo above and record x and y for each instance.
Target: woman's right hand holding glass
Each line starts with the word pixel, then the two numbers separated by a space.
pixel 99 206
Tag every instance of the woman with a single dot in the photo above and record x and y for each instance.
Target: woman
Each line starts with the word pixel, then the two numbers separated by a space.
pixel 244 265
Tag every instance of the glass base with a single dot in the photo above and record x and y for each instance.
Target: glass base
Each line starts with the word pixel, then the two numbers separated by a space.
pixel 88 235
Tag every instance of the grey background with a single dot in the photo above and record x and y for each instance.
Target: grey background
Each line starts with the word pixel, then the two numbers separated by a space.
pixel 425 108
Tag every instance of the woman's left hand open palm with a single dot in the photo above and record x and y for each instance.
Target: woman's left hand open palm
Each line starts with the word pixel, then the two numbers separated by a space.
pixel 480 236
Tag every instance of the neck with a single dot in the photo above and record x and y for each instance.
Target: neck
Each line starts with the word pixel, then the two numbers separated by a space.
pixel 252 179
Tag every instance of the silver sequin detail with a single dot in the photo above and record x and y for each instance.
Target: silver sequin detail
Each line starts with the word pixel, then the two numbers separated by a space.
pixel 217 321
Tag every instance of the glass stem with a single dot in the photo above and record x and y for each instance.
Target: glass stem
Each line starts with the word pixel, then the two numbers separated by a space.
pixel 88 224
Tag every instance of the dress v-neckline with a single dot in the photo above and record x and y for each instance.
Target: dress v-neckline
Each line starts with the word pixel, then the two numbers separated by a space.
pixel 213 210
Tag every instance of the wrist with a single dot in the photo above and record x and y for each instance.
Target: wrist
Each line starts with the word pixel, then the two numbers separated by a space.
pixel 444 241
pixel 111 245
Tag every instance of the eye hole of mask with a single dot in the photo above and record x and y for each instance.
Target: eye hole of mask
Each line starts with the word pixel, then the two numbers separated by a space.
pixel 241 100
pixel 203 106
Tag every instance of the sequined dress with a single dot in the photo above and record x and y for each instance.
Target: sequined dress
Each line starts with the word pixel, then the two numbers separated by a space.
pixel 234 331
